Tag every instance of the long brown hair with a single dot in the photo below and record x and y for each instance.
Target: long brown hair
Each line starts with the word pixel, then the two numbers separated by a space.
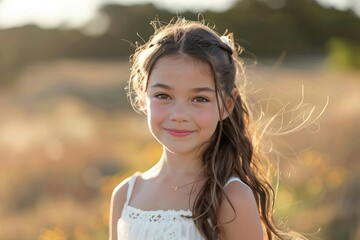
pixel 233 149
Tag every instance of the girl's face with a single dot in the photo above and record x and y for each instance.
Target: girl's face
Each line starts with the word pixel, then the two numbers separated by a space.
pixel 181 104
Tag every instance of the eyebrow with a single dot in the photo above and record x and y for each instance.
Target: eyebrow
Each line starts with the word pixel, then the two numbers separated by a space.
pixel 167 87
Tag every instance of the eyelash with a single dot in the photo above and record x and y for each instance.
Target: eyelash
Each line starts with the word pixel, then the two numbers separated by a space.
pixel 203 99
pixel 162 96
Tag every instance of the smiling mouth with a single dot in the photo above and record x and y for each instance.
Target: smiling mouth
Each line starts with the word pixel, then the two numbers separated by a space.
pixel 179 133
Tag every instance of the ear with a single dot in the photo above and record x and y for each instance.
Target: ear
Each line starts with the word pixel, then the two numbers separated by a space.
pixel 230 103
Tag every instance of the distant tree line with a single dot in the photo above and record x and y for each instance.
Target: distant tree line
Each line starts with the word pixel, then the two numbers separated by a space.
pixel 298 28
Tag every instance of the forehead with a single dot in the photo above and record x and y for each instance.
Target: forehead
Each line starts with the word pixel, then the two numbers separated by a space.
pixel 180 70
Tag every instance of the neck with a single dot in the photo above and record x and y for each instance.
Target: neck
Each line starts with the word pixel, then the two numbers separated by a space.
pixel 179 165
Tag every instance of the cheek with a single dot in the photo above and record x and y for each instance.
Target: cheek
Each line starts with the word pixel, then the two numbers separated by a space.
pixel 155 112
pixel 208 118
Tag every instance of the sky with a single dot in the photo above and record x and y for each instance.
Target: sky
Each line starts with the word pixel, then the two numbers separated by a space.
pixel 78 13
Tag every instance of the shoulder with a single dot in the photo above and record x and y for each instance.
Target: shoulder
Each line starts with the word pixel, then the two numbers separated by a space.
pixel 242 201
pixel 118 199
pixel 238 191
pixel 239 214
pixel 120 191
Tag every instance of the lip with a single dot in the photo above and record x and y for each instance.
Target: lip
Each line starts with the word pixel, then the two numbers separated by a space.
pixel 179 132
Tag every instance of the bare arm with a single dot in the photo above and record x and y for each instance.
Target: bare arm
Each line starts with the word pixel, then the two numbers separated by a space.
pixel 245 222
pixel 118 199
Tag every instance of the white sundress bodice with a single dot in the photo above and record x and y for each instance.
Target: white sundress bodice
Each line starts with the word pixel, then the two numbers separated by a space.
pixel 138 224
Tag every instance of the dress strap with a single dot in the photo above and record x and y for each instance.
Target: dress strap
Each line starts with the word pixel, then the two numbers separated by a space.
pixel 236 179
pixel 130 188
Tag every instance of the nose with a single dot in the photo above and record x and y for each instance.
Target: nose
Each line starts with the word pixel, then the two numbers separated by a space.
pixel 179 112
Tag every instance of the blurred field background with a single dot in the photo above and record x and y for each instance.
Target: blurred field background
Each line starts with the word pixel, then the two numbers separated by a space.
pixel 68 135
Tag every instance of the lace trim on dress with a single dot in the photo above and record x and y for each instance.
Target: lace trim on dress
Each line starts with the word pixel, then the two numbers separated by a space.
pixel 139 224
pixel 156 216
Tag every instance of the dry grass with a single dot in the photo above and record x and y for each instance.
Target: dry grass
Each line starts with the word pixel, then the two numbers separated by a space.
pixel 63 150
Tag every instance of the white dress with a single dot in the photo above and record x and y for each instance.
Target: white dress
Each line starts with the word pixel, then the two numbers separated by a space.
pixel 137 224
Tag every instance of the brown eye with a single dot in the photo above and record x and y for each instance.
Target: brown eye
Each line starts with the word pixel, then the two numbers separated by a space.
pixel 162 96
pixel 201 99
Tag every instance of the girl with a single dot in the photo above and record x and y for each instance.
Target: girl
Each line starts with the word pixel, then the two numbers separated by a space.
pixel 208 183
